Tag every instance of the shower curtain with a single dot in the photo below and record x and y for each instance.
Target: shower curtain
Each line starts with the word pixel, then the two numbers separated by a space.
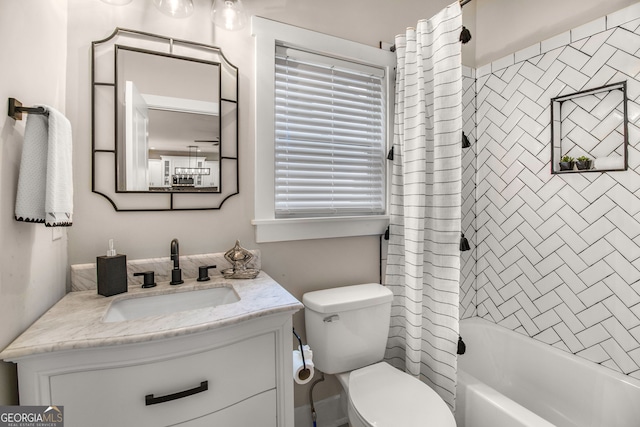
pixel 423 259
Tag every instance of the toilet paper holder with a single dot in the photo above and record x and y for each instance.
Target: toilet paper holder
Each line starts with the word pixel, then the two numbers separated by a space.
pixel 304 363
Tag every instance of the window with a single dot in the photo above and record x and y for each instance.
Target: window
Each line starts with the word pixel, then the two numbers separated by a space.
pixel 322 126
pixel 329 136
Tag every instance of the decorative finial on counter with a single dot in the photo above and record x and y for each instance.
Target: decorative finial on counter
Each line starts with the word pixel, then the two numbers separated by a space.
pixel 239 257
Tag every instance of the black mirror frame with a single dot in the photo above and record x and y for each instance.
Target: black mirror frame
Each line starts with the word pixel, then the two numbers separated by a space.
pixel 104 145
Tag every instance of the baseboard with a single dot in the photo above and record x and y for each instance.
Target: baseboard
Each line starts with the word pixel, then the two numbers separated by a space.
pixel 329 413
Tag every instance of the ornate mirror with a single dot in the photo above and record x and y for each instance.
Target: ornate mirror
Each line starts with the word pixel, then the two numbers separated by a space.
pixel 164 123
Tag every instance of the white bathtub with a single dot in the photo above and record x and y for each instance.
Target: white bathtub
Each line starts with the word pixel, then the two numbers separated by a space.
pixel 508 380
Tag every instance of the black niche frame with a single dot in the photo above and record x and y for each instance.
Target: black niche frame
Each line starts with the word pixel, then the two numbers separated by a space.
pixel 556 127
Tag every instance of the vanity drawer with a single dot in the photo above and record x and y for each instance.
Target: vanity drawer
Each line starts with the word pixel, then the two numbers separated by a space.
pixel 260 411
pixel 116 396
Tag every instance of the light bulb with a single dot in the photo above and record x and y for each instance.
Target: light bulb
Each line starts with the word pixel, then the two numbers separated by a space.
pixel 175 8
pixel 228 14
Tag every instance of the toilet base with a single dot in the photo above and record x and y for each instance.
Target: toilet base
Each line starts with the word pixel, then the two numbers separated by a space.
pixel 373 388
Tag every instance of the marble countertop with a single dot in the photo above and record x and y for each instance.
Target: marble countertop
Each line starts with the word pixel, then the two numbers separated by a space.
pixel 75 322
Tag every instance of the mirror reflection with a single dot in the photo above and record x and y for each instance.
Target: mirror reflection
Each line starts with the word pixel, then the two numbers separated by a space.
pixel 168 122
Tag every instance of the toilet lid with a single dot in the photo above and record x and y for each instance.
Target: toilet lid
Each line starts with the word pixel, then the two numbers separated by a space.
pixel 384 396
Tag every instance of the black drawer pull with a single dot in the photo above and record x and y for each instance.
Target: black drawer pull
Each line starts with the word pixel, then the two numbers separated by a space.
pixel 150 400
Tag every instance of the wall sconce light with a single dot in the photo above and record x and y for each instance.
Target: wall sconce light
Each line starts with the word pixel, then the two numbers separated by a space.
pixel 117 2
pixel 228 14
pixel 175 8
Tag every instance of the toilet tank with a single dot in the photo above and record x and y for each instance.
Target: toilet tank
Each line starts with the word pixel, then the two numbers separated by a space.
pixel 347 327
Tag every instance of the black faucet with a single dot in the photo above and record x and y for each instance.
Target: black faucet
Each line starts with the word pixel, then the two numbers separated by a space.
pixel 149 279
pixel 176 273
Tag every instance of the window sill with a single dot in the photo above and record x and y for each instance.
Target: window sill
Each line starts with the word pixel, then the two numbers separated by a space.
pixel 282 230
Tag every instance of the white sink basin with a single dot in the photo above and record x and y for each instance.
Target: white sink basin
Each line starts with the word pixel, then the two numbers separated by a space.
pixel 136 308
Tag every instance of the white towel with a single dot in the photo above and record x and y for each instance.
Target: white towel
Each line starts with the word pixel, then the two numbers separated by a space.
pixel 45 183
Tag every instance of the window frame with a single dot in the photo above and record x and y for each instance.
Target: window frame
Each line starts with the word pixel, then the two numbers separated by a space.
pixel 268 228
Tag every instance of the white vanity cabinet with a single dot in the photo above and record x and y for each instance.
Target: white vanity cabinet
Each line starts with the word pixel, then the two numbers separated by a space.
pixel 237 375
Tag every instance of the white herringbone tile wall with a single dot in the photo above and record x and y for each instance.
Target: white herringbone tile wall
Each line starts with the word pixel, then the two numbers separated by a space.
pixel 468 258
pixel 558 256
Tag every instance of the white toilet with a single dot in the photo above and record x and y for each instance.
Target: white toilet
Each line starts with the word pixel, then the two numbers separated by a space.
pixel 347 330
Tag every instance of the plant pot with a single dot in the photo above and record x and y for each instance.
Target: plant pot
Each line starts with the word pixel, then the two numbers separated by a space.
pixel 566 166
pixel 586 165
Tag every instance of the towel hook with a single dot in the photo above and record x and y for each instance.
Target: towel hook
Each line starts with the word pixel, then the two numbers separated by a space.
pixel 16 109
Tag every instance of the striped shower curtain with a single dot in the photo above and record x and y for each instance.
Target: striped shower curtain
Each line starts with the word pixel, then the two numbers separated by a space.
pixel 423 261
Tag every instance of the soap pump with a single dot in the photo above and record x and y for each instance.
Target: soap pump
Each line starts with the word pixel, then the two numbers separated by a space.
pixel 111 251
pixel 112 272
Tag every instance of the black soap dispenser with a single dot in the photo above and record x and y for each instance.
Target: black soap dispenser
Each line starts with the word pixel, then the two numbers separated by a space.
pixel 112 272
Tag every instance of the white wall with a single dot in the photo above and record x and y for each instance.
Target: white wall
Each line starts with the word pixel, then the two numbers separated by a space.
pixel 506 26
pixel 32 266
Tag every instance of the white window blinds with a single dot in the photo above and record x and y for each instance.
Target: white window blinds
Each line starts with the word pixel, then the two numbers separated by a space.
pixel 330 136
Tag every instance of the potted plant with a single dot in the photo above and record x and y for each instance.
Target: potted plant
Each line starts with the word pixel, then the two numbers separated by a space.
pixel 566 163
pixel 583 162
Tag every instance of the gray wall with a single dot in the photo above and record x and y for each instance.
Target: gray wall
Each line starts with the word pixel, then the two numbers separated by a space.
pixel 32 266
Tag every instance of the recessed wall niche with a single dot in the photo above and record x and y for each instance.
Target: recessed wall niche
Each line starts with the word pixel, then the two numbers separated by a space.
pixel 590 124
